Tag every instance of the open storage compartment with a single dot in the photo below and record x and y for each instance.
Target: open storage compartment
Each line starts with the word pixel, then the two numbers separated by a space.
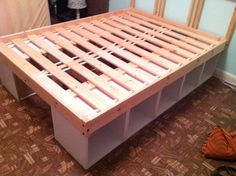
pixel 106 139
pixel 142 114
pixel 191 81
pixel 209 69
pixel 170 95
pixel 88 150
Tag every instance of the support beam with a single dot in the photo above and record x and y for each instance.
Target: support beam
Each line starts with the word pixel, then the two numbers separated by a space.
pixel 231 27
pixel 195 12
pixel 159 8
pixel 132 3
pixel 198 14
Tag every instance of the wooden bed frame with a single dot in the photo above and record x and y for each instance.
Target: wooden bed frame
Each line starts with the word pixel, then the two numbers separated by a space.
pixel 106 77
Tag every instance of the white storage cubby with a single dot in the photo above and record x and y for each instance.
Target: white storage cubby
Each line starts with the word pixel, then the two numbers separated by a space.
pixel 191 81
pixel 106 139
pixel 209 69
pixel 142 114
pixel 13 84
pixel 170 95
pixel 88 150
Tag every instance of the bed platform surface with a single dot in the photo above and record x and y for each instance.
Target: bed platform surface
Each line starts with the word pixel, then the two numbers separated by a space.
pixel 94 70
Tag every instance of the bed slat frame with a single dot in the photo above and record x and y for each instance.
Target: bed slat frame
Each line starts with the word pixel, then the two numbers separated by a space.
pixel 108 62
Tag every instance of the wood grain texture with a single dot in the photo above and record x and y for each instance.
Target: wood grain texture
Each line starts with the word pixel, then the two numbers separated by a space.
pixel 230 30
pixel 106 64
pixel 195 12
pixel 132 3
pixel 159 7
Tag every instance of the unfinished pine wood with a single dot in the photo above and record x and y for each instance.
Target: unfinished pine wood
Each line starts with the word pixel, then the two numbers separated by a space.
pixel 230 30
pixel 44 86
pixel 132 3
pixel 94 62
pixel 183 31
pixel 159 7
pixel 198 14
pixel 195 13
pixel 108 57
pixel 105 64
pixel 87 96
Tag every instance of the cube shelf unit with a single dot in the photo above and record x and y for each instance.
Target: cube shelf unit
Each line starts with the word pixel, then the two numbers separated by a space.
pixel 142 114
pixel 107 138
pixel 106 77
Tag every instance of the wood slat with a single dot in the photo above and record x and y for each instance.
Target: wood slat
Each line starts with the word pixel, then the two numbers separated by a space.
pixel 98 81
pixel 145 54
pixel 165 64
pixel 88 96
pixel 44 86
pixel 160 51
pixel 92 61
pixel 160 33
pixel 180 36
pixel 154 58
pixel 167 46
pixel 109 58
pixel 107 35
pixel 180 30
pixel 127 55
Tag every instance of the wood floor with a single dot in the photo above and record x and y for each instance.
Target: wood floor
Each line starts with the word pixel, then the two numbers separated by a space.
pixel 168 146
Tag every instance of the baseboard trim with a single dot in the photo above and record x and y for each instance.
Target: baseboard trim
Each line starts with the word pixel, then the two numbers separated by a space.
pixel 225 76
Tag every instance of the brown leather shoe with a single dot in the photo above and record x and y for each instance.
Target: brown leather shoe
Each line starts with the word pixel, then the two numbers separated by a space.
pixel 220 145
